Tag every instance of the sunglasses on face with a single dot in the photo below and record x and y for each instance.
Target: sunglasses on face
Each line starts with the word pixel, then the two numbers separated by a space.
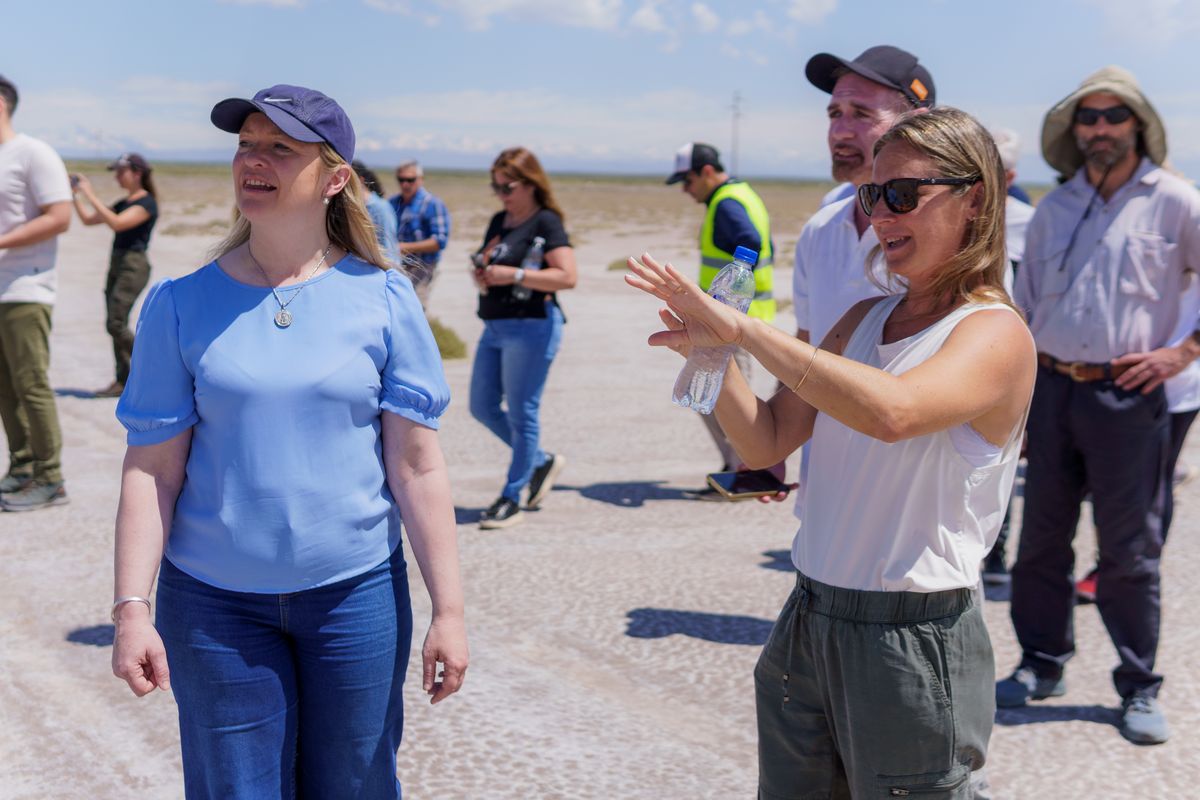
pixel 1113 115
pixel 405 180
pixel 505 189
pixel 900 194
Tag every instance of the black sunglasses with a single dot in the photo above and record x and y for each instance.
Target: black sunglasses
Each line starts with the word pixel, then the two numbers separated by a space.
pixel 405 180
pixel 1113 115
pixel 505 189
pixel 900 194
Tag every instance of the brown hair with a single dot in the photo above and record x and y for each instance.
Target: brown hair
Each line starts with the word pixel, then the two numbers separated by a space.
pixel 960 147
pixel 523 165
pixel 146 180
pixel 347 222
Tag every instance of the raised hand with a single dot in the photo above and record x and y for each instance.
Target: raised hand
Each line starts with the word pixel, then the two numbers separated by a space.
pixel 693 317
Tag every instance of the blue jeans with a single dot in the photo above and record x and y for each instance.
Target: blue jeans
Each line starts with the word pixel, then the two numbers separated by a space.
pixel 289 695
pixel 511 365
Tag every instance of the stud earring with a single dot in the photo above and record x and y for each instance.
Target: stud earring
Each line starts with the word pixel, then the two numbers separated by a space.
pixel 325 200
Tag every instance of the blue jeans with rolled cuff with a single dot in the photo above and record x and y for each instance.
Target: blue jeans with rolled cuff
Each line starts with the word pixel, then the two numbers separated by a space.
pixel 512 363
pixel 289 695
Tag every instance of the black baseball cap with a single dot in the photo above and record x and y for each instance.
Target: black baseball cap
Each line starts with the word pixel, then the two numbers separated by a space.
pixel 306 115
pixel 886 65
pixel 693 157
pixel 134 160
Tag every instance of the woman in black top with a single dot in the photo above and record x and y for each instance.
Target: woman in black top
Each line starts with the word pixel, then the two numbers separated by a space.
pixel 522 325
pixel 132 217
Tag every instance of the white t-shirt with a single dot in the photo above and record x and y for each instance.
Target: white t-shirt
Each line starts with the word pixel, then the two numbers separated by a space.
pixel 32 176
pixel 917 515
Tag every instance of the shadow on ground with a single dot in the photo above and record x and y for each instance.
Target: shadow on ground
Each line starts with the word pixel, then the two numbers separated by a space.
pixel 780 560
pixel 85 394
pixel 1029 715
pixel 95 635
pixel 632 494
pixel 657 623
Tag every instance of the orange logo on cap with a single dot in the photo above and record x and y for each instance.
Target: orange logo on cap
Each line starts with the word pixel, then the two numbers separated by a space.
pixel 919 89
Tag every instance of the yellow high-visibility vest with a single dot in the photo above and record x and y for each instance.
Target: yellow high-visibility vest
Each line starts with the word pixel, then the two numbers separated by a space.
pixel 712 258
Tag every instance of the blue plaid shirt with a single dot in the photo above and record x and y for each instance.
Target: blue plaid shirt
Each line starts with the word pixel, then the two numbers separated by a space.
pixel 424 217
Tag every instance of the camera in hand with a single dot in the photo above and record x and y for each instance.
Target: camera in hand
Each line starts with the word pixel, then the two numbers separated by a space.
pixel 746 485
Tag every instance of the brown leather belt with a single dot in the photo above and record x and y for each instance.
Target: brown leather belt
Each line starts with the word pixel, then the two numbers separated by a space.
pixel 1081 371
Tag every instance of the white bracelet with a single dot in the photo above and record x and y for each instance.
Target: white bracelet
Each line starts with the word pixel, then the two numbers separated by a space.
pixel 120 601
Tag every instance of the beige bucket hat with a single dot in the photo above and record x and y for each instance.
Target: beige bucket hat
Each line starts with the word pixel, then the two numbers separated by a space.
pixel 1058 142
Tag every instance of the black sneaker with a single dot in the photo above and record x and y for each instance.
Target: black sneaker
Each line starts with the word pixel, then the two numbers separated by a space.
pixel 501 514
pixel 995 571
pixel 542 480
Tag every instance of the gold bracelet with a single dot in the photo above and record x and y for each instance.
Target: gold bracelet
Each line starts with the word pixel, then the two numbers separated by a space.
pixel 808 369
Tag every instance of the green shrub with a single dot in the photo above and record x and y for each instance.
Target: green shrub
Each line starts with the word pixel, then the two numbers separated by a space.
pixel 448 342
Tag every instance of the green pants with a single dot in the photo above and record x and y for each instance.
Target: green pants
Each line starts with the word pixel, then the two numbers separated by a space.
pixel 26 399
pixel 873 694
pixel 128 273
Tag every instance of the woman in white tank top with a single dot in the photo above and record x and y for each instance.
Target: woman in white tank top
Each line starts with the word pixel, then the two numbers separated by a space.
pixel 878 677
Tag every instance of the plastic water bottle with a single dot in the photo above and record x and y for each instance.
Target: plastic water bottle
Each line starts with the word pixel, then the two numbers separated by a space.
pixel 699 382
pixel 531 262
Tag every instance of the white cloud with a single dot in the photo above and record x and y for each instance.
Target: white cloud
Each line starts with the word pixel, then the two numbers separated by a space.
pixel 706 19
pixel 1150 22
pixel 478 14
pixel 648 18
pixel 810 11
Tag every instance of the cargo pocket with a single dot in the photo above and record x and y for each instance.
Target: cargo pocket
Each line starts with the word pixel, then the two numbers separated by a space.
pixel 1143 264
pixel 949 785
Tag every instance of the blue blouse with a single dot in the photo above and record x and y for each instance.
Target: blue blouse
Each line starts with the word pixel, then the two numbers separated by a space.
pixel 285 487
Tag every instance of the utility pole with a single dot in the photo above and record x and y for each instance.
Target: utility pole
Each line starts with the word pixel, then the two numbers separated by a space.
pixel 737 115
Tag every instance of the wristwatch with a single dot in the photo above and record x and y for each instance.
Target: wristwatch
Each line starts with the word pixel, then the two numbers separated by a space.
pixel 519 276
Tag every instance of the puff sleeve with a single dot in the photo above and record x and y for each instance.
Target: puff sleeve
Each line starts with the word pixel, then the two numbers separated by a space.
pixel 159 398
pixel 414 385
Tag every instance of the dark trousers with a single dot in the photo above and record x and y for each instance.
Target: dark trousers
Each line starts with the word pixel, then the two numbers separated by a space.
pixel 128 273
pixel 1114 442
pixel 1180 424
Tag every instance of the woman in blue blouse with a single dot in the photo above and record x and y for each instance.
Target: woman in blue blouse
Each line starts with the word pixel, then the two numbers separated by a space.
pixel 282 413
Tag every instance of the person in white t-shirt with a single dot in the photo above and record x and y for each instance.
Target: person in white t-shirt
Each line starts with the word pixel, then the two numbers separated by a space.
pixel 877 677
pixel 35 207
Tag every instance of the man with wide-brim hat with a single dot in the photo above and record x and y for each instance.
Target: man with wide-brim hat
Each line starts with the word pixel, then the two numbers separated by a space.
pixel 1106 261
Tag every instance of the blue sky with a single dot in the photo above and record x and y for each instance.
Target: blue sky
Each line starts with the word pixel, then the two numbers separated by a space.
pixel 604 85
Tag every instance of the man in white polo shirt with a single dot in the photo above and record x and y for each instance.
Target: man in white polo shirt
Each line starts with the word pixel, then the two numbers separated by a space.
pixel 35 207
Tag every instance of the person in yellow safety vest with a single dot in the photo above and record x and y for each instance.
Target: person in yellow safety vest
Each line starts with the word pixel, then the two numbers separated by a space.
pixel 735 217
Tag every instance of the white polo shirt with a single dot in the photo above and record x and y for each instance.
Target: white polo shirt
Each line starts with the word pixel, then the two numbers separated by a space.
pixel 32 176
pixel 831 274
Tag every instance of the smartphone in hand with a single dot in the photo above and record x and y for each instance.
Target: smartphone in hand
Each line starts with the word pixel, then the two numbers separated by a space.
pixel 747 485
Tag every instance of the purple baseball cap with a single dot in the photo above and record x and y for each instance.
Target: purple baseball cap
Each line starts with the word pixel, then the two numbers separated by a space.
pixel 303 114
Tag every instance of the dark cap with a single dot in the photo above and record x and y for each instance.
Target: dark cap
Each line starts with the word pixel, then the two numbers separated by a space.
pixel 693 157
pixel 303 114
pixel 9 90
pixel 134 160
pixel 886 65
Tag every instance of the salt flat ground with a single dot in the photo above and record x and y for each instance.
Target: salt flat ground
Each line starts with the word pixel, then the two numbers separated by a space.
pixel 613 633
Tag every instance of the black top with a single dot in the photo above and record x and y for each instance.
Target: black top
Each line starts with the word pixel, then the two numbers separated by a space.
pixel 499 303
pixel 137 238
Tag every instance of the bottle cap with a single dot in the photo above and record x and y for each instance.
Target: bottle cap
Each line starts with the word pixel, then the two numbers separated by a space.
pixel 746 254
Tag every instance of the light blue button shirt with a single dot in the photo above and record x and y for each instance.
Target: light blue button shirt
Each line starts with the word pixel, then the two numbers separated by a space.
pixel 285 487
pixel 1116 289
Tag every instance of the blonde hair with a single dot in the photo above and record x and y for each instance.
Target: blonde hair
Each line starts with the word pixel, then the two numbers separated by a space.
pixel 347 222
pixel 960 147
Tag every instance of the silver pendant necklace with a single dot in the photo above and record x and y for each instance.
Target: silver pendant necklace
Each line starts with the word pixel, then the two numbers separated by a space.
pixel 283 317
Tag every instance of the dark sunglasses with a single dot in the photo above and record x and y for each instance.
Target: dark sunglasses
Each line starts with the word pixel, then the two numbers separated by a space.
pixel 900 194
pixel 505 189
pixel 1113 115
pixel 405 180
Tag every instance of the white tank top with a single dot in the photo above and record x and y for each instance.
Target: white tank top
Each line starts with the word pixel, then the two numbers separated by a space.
pixel 916 516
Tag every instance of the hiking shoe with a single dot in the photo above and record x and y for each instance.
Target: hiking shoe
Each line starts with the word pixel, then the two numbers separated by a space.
pixel 1142 719
pixel 995 571
pixel 542 480
pixel 35 496
pixel 114 389
pixel 1024 685
pixel 14 483
pixel 1085 588
pixel 501 514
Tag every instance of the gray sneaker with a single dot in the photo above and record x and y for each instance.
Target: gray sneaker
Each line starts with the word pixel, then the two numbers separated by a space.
pixel 14 483
pixel 1142 720
pixel 35 496
pixel 1024 685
